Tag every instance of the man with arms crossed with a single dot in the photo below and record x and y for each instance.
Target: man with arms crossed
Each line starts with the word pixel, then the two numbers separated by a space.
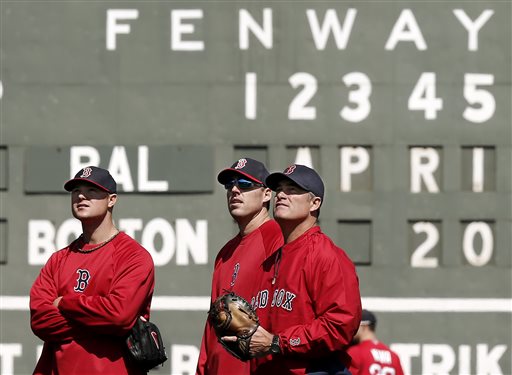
pixel 369 355
pixel 314 306
pixel 89 295
pixel 239 263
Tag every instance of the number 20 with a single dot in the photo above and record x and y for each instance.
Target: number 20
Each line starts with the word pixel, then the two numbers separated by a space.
pixel 419 258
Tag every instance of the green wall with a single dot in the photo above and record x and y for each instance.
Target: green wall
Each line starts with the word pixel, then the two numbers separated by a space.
pixel 405 114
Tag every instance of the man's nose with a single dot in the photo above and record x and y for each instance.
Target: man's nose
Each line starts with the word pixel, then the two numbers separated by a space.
pixel 234 189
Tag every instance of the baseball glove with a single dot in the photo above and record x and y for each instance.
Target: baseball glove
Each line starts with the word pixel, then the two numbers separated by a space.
pixel 145 345
pixel 231 315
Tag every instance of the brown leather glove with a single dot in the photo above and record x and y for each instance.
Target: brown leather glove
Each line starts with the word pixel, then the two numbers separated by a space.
pixel 231 315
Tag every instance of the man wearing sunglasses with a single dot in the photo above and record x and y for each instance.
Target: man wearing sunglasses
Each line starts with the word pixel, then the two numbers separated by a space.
pixel 315 305
pixel 239 264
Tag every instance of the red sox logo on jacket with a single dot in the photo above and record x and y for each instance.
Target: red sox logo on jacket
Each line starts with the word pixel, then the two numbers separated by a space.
pixel 281 298
pixel 83 280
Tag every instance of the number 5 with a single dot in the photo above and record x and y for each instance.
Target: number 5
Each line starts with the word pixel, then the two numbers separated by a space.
pixel 483 98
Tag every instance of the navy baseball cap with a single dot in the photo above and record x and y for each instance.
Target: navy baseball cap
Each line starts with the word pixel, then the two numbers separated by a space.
pixel 96 176
pixel 249 168
pixel 368 318
pixel 303 176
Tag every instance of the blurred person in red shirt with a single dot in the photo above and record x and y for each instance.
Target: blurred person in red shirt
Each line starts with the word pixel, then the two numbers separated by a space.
pixel 369 355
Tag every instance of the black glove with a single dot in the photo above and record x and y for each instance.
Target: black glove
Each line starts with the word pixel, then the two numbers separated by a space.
pixel 145 345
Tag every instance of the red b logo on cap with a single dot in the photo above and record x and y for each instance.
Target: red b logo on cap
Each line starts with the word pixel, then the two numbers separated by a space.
pixel 290 169
pixel 86 172
pixel 241 163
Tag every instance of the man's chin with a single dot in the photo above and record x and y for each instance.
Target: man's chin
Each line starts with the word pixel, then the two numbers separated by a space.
pixel 237 213
pixel 280 216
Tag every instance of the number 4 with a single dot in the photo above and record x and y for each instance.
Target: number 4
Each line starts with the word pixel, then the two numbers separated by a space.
pixel 423 96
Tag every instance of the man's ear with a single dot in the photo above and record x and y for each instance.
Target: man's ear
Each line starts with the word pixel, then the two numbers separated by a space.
pixel 267 195
pixel 316 202
pixel 112 199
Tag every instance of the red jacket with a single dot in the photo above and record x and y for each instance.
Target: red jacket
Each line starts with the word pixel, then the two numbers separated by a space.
pixel 314 305
pixel 238 267
pixel 373 357
pixel 104 292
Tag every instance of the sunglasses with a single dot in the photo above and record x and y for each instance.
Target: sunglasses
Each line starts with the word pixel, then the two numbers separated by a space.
pixel 241 184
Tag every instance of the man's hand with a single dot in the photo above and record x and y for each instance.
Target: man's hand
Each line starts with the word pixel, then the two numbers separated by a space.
pixel 57 301
pixel 231 315
pixel 260 342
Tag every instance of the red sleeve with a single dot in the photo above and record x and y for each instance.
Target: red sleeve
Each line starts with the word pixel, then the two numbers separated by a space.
pixel 46 320
pixel 202 368
pixel 333 287
pixel 203 353
pixel 355 359
pixel 397 365
pixel 116 312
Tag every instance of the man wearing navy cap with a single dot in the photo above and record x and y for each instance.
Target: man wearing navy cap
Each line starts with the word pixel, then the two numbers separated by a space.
pixel 239 263
pixel 89 295
pixel 315 308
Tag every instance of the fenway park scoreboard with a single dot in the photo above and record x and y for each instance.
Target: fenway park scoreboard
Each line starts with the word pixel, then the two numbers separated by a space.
pixel 403 107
